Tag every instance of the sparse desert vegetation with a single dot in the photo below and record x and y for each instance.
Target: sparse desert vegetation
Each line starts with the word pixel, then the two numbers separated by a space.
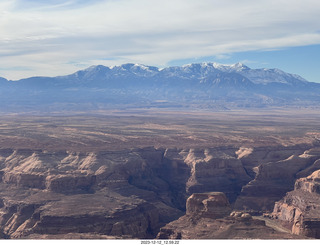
pixel 121 129
pixel 128 173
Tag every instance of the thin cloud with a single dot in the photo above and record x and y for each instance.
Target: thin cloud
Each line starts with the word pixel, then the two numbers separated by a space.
pixel 50 5
pixel 54 37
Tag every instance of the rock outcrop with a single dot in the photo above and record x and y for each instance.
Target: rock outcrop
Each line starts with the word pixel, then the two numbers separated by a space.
pixel 159 180
pixel 39 189
pixel 107 193
pixel 208 217
pixel 214 170
pixel 212 205
pixel 273 180
pixel 300 209
pixel 251 157
pixel 104 213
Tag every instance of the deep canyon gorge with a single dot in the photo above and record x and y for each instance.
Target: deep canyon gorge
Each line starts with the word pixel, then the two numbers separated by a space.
pixel 122 175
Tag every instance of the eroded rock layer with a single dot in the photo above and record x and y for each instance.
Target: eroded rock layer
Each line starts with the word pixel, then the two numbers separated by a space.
pixel 208 217
pixel 275 178
pixel 129 193
pixel 300 209
pixel 133 193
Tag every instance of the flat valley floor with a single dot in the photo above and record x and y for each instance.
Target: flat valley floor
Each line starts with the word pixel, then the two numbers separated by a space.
pixel 116 130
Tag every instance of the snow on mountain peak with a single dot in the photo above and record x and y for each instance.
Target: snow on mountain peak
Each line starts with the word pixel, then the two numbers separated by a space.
pixel 239 66
pixel 230 68
pixel 194 71
pixel 143 67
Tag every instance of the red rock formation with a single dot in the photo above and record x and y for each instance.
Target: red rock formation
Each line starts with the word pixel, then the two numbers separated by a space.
pixel 69 183
pixel 212 205
pixel 115 193
pixel 272 182
pixel 31 180
pixel 104 213
pixel 208 217
pixel 214 170
pixel 159 178
pixel 300 209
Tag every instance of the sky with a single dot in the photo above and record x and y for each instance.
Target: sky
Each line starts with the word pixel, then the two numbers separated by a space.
pixel 55 37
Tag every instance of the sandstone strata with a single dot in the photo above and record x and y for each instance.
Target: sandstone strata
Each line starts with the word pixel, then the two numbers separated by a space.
pixel 300 209
pixel 154 183
pixel 213 205
pixel 101 194
pixel 273 180
pixel 208 217
pixel 214 170
pixel 103 213
pixel 37 187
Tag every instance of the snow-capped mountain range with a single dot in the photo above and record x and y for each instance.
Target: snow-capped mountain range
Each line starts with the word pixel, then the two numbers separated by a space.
pixel 202 85
pixel 200 71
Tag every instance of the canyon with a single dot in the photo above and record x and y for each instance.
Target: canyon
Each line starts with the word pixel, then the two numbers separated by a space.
pixel 125 175
pixel 209 216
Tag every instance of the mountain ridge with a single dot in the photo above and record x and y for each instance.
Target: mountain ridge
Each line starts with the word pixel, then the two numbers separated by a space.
pixel 198 85
pixel 237 67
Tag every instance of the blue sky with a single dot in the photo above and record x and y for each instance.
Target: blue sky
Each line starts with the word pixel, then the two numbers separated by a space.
pixel 56 37
pixel 301 60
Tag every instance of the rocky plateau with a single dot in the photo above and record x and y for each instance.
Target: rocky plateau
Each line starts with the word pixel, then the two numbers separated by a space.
pixel 160 175
pixel 133 193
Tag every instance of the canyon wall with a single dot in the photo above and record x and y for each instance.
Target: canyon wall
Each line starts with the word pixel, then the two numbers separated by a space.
pixel 209 216
pixel 133 193
pixel 300 208
pixel 274 177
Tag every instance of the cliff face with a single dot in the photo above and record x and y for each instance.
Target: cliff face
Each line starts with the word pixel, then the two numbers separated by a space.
pixel 274 179
pixel 300 209
pixel 208 217
pixel 212 205
pixel 59 193
pixel 50 213
pixel 127 193
pixel 134 192
pixel 213 170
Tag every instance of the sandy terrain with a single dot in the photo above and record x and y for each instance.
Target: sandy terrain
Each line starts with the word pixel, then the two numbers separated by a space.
pixel 113 130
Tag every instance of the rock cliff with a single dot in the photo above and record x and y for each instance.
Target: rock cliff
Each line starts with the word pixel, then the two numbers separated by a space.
pixel 39 189
pixel 206 170
pixel 60 193
pixel 274 179
pixel 212 205
pixel 208 217
pixel 134 192
pixel 300 209
pixel 105 213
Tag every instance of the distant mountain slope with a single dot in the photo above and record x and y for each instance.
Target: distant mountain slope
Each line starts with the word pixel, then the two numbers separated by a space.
pixel 3 82
pixel 205 85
